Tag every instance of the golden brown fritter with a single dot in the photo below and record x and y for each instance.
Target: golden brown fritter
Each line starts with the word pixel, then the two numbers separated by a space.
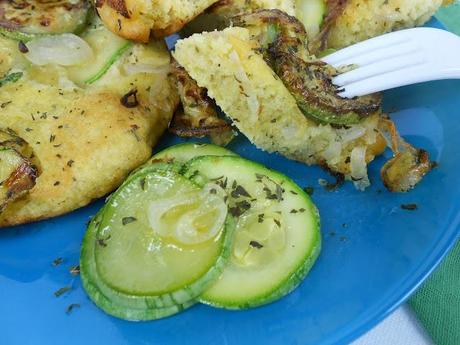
pixel 86 139
pixel 138 19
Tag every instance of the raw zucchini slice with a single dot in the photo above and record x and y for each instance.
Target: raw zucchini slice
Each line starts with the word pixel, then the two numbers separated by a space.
pixel 277 237
pixel 177 232
pixel 107 49
pixel 182 153
pixel 25 20
pixel 90 281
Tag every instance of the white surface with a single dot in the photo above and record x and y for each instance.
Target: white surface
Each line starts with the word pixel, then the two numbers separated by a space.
pixel 400 328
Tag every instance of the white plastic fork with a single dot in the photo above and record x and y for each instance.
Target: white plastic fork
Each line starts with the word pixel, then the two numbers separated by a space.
pixel 396 59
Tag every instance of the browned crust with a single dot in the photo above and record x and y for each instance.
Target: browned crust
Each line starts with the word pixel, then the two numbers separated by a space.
pixel 117 19
pixel 21 180
pixel 117 5
pixel 197 117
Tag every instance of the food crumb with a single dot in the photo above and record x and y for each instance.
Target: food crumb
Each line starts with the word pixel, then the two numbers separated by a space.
pixel 75 270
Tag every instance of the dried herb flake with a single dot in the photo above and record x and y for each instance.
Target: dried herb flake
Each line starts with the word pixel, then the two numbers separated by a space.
pixel 62 291
pixel 127 220
pixel 239 191
pixel 256 245
pixel 72 307
pixel 409 207
pixel 130 99
pixel 57 261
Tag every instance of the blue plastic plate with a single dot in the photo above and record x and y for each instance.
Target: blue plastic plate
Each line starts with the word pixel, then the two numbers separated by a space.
pixel 374 255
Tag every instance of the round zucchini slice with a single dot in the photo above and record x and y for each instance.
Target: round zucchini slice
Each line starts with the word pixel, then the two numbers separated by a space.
pixel 90 280
pixel 30 18
pixel 277 237
pixel 182 153
pixel 161 241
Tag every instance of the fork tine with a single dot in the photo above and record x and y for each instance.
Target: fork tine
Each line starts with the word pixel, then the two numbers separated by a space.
pixel 388 40
pixel 381 67
pixel 381 82
pixel 383 53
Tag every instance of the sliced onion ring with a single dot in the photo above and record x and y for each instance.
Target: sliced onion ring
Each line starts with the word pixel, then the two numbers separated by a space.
pixel 209 200
pixel 136 68
pixel 64 49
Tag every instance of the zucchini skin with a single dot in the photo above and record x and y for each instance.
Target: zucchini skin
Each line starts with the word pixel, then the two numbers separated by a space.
pixel 109 63
pixel 11 78
pixel 88 273
pixel 182 153
pixel 16 35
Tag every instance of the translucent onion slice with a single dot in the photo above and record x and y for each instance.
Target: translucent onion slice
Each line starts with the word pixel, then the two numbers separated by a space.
pixel 137 68
pixel 64 49
pixel 190 218
pixel 257 230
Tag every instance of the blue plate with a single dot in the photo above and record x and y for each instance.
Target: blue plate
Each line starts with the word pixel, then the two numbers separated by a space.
pixel 375 254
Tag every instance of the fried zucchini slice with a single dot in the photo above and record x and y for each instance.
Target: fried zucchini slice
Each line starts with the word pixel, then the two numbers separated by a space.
pixel 197 117
pixel 17 175
pixel 308 79
pixel 408 165
pixel 18 172
pixel 22 19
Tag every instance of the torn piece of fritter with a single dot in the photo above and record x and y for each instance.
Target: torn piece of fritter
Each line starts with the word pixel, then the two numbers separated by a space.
pixel 138 19
pixel 85 137
pixel 230 66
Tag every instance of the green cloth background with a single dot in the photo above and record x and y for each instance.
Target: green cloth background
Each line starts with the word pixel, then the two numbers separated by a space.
pixel 437 303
